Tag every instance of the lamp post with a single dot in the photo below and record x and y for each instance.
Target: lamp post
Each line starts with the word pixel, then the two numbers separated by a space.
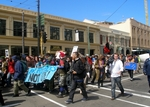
pixel 139 44
pixel 88 40
pixel 22 32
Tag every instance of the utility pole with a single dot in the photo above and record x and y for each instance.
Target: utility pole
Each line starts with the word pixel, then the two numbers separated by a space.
pixel 22 32
pixel 38 27
pixel 88 40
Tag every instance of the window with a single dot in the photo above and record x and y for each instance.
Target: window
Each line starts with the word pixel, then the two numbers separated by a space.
pixel 91 38
pixel 18 49
pixel 18 29
pixel 68 51
pixel 34 31
pixel 2 49
pixel 122 41
pixel 111 39
pixel 82 51
pixel 103 39
pixel 81 36
pixel 68 35
pixel 54 33
pixel 2 27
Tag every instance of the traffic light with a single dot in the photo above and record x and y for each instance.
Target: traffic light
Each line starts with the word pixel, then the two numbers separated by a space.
pixel 44 37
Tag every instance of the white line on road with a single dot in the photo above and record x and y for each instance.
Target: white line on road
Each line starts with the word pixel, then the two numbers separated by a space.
pixel 11 105
pixel 142 105
pixel 125 79
pixel 138 95
pixel 49 99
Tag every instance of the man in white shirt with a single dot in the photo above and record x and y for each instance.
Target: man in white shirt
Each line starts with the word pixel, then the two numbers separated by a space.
pixel 116 69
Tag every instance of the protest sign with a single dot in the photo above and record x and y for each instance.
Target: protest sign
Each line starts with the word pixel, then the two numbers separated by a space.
pixel 130 66
pixel 75 49
pixel 38 75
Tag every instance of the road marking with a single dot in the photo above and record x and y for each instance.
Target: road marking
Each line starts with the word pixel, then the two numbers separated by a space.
pixel 138 95
pixel 136 91
pixel 11 105
pixel 124 79
pixel 142 105
pixel 61 105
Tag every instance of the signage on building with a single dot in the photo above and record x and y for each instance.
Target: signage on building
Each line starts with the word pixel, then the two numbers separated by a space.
pixel 56 48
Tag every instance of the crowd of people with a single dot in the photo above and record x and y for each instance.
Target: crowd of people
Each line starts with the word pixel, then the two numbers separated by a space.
pixel 75 71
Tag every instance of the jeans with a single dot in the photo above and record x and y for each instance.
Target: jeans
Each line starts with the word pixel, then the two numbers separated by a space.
pixel 114 81
pixel 74 86
pixel 9 76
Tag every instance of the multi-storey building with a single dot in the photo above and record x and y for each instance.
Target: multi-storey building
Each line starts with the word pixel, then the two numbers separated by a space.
pixel 140 33
pixel 60 33
pixel 120 40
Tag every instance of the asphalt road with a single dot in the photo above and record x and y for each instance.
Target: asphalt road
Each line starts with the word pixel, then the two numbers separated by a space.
pixel 136 95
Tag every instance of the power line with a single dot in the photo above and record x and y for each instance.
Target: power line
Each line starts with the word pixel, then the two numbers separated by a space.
pixel 21 3
pixel 116 9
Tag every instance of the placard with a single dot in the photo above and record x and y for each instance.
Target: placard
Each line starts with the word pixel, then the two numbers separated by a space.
pixel 75 49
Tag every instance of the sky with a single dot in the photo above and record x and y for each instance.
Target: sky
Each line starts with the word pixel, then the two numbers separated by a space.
pixel 97 10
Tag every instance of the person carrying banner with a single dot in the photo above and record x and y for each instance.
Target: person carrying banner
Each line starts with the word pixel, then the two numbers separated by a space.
pixel 62 76
pixel 19 77
pixel 130 59
pixel 146 70
pixel 78 78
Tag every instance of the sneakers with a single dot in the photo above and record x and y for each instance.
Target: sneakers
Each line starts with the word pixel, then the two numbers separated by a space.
pixel 69 101
pixel 131 79
pixel 60 96
pixel 84 99
pixel 112 98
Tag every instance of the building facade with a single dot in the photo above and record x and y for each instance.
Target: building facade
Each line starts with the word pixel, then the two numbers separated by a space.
pixel 140 33
pixel 60 33
pixel 120 40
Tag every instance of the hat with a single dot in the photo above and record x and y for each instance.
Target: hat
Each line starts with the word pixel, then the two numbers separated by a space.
pixel 23 56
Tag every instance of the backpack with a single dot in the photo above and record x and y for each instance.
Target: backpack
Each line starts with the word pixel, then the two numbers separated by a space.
pixel 24 66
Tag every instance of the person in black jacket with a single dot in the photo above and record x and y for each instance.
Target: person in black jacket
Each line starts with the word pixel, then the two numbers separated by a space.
pixel 78 78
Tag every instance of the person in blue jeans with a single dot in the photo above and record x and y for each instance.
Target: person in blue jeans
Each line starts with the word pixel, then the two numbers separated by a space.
pixel 116 70
pixel 146 70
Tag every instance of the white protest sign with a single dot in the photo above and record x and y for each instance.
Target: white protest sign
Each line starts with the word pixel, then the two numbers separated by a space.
pixel 75 49
pixel 57 55
pixel 6 53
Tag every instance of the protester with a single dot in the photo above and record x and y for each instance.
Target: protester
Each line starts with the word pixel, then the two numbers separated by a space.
pixel 19 77
pixel 78 78
pixel 130 59
pixel 11 71
pixel 116 69
pixel 146 70
pixel 100 72
pixel 62 69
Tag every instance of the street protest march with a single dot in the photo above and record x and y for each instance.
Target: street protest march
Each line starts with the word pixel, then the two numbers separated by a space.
pixel 38 75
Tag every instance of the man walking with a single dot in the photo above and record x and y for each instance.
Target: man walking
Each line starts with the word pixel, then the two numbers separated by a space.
pixel 146 70
pixel 78 78
pixel 19 77
pixel 116 70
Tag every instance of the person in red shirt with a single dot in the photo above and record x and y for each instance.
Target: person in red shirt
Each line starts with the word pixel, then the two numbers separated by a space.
pixel 10 71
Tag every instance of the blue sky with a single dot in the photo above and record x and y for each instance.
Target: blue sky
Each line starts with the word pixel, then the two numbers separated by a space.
pixel 98 10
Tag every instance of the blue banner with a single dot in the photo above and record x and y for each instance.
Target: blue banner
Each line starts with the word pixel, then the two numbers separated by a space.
pixel 38 75
pixel 130 66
